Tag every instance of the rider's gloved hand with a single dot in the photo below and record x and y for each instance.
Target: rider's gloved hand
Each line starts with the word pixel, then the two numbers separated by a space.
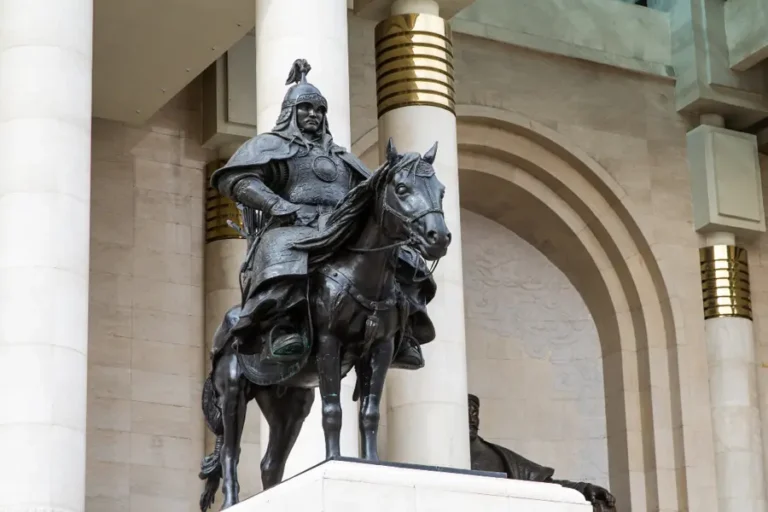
pixel 299 214
pixel 282 208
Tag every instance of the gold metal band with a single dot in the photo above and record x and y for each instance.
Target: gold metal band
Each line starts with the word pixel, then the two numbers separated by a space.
pixel 725 281
pixel 219 209
pixel 414 63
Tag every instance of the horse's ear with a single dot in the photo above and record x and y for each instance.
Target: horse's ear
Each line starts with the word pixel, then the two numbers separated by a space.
pixel 430 155
pixel 391 151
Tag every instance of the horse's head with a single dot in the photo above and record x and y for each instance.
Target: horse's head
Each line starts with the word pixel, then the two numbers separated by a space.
pixel 410 206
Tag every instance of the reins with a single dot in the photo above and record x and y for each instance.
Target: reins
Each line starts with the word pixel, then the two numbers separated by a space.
pixel 410 240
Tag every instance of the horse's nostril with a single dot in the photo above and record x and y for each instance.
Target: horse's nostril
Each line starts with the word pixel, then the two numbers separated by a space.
pixel 432 236
pixel 448 237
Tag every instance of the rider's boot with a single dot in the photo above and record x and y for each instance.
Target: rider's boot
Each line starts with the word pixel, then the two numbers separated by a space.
pixel 284 344
pixel 409 355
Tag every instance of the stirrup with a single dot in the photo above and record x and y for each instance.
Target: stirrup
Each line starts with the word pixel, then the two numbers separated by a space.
pixel 408 357
pixel 293 347
pixel 269 353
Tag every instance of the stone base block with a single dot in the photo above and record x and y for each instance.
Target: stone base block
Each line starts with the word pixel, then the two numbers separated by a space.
pixel 346 486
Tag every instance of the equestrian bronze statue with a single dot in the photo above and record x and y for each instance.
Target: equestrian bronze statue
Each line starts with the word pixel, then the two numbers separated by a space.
pixel 335 277
pixel 492 457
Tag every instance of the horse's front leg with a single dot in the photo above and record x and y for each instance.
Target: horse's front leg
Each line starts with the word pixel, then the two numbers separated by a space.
pixel 373 374
pixel 329 372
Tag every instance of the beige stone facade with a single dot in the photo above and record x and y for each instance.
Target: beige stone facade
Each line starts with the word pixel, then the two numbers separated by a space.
pixel 585 336
pixel 146 358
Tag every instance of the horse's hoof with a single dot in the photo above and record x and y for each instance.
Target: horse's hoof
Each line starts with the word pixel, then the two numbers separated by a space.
pixel 229 501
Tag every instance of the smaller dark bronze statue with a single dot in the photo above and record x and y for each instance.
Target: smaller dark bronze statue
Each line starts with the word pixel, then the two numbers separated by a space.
pixel 492 457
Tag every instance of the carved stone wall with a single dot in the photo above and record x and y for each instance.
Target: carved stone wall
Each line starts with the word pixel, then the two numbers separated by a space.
pixel 534 355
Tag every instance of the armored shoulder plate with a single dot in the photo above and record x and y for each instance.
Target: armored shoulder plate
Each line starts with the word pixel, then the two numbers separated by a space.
pixel 257 151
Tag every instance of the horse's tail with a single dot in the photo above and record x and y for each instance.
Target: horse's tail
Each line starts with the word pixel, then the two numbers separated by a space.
pixel 210 467
pixel 210 471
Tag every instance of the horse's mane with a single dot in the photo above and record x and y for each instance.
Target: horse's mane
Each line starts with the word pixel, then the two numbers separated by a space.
pixel 347 220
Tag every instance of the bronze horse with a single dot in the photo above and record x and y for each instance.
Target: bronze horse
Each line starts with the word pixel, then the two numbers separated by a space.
pixel 356 311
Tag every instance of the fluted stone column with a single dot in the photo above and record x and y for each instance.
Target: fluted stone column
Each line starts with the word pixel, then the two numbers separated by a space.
pixel 427 408
pixel 45 143
pixel 732 374
pixel 316 31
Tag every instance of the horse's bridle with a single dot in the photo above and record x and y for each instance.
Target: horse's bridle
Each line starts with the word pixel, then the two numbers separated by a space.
pixel 407 222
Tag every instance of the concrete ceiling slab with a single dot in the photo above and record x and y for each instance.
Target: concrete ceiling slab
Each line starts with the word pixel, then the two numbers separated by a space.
pixel 146 51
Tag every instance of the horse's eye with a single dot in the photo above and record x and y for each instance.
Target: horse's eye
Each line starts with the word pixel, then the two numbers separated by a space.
pixel 401 189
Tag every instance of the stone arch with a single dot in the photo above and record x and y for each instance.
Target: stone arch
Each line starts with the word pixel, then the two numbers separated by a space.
pixel 526 176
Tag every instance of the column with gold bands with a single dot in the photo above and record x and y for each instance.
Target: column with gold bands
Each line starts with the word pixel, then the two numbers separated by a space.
pixel 218 210
pixel 731 356
pixel 414 62
pixel 725 281
pixel 415 89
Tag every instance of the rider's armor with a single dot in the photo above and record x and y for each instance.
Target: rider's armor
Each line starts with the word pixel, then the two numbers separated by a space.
pixel 317 177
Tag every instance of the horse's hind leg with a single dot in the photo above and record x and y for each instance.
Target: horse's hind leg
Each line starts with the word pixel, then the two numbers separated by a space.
pixel 372 374
pixel 285 415
pixel 231 390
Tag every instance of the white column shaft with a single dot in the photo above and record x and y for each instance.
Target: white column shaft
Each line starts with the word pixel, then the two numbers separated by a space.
pixel 45 142
pixel 720 238
pixel 735 414
pixel 427 408
pixel 427 416
pixel 733 385
pixel 314 30
pixel 414 7
pixel 287 30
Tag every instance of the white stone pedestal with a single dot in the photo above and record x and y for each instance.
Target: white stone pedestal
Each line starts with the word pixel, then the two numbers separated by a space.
pixel 342 486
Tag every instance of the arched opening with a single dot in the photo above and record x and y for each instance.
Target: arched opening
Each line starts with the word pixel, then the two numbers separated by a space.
pixel 530 180
pixel 533 353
